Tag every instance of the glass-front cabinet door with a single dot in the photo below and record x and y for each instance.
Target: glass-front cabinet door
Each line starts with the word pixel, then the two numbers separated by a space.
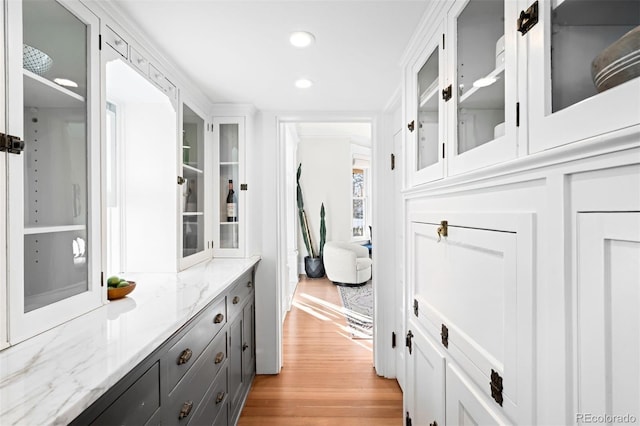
pixel 584 69
pixel 481 95
pixel 229 138
pixel 53 184
pixel 196 243
pixel 426 131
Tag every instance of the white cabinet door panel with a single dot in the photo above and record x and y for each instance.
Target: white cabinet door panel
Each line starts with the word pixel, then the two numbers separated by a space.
pixel 608 314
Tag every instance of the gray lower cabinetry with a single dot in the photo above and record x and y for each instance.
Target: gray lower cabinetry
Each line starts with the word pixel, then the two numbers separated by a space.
pixel 199 376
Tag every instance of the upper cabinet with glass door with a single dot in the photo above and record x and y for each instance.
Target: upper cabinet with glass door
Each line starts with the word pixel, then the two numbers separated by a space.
pixel 584 68
pixel 53 212
pixel 481 95
pixel 196 244
pixel 426 129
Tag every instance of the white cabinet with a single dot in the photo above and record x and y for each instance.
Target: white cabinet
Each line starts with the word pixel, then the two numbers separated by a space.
pixel 196 211
pixel 3 188
pixel 471 290
pixel 564 103
pixel 608 315
pixel 53 186
pixel 230 135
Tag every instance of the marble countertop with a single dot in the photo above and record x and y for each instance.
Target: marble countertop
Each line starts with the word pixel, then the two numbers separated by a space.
pixel 53 377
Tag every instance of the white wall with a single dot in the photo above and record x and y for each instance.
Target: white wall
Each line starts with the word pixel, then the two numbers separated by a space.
pixel 326 178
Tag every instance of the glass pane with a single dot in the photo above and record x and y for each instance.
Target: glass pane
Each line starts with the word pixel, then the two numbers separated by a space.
pixel 193 189
pixel 358 183
pixel 428 115
pixel 358 217
pixel 229 142
pixel 55 157
pixel 480 73
pixel 229 185
pixel 55 267
pixel 229 235
pixel 581 31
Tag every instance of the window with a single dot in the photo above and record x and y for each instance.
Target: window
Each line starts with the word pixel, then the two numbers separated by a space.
pixel 359 208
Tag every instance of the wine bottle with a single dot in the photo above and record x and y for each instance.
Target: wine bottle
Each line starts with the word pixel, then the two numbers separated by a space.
pixel 232 204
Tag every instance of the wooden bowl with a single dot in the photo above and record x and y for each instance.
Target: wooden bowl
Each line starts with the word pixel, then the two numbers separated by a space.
pixel 120 292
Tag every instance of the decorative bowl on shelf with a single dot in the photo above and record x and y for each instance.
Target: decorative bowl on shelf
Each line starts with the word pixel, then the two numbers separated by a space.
pixel 35 60
pixel 114 293
pixel 618 63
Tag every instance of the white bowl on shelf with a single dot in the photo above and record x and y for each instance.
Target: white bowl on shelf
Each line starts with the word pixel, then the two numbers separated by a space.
pixel 35 60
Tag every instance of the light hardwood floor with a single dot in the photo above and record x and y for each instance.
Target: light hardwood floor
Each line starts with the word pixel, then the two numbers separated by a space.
pixel 327 378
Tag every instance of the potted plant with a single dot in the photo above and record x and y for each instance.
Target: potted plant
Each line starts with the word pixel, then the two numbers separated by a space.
pixel 313 266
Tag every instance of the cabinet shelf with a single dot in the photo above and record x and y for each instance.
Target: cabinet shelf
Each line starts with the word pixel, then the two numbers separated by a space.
pixel 229 163
pixel 428 98
pixel 187 167
pixel 33 230
pixel 488 97
pixel 229 223
pixel 42 93
pixel 193 214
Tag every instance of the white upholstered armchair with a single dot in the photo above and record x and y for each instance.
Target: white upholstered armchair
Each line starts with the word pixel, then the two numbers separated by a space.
pixel 346 263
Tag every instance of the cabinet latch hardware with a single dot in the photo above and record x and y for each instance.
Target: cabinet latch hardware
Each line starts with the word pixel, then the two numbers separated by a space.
pixel 220 397
pixel 444 335
pixel 185 410
pixel 393 161
pixel 249 284
pixel 416 307
pixel 181 180
pixel 447 93
pixel 219 358
pixel 244 347
pixel 408 341
pixel 11 144
pixel 411 126
pixel 243 187
pixel 218 319
pixel 496 387
pixel 393 339
pixel 185 356
pixel 443 229
pixel 236 300
pixel 407 420
pixel 528 18
pixel 434 423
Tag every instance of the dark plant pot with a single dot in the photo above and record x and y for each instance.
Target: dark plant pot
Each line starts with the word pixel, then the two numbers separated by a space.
pixel 313 267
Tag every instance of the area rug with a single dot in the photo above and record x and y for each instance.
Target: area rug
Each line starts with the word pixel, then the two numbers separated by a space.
pixel 358 304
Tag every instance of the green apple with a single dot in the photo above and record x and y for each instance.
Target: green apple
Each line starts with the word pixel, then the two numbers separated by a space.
pixel 113 281
pixel 123 283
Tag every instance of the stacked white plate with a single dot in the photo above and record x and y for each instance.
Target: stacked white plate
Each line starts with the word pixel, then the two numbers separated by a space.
pixel 618 63
pixel 35 60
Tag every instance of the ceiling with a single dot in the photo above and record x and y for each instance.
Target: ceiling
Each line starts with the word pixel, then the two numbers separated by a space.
pixel 238 51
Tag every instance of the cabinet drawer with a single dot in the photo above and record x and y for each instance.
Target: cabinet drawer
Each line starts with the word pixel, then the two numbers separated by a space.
pixel 114 40
pixel 239 295
pixel 137 404
pixel 213 403
pixel 162 82
pixel 139 61
pixel 185 399
pixel 183 354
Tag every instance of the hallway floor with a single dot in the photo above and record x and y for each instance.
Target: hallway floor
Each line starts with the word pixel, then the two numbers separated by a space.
pixel 327 378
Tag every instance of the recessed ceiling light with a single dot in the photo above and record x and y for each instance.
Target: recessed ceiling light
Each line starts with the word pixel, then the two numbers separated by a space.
pixel 301 38
pixel 65 82
pixel 303 83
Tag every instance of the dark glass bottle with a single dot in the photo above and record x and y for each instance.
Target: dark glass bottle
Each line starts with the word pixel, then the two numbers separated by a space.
pixel 232 204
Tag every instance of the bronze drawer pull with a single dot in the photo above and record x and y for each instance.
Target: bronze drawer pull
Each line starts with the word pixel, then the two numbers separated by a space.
pixel 219 358
pixel 185 410
pixel 235 300
pixel 185 356
pixel 218 319
pixel 220 397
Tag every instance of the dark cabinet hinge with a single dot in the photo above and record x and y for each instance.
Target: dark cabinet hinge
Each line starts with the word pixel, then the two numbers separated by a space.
pixel 181 180
pixel 393 339
pixel 517 114
pixel 496 387
pixel 393 161
pixel 444 334
pixel 411 126
pixel 11 144
pixel 447 93
pixel 101 279
pixel 442 41
pixel 407 420
pixel 528 18
pixel 243 187
pixel 416 307
pixel 99 41
pixel 409 341
pixel 443 151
